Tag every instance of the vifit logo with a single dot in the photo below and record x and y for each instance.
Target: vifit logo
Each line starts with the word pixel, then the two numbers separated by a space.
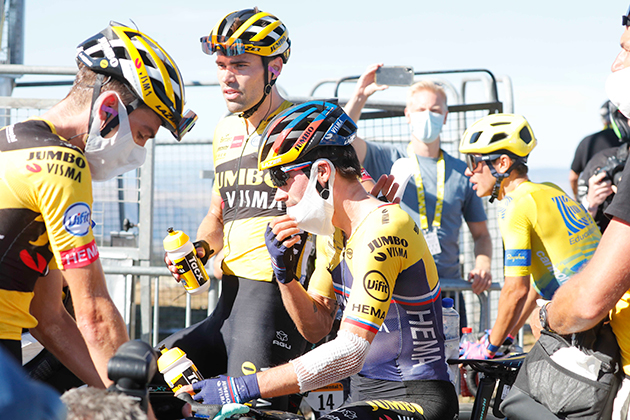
pixel 574 216
pixel 77 219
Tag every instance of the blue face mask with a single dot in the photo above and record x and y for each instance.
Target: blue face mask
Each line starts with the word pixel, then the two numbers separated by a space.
pixel 426 125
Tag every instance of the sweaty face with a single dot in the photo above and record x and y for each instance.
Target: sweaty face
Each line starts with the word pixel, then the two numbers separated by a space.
pixel 426 100
pixel 623 58
pixel 241 78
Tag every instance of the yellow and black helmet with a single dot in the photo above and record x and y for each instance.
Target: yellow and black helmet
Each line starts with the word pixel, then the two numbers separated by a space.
pixel 249 31
pixel 133 58
pixel 496 133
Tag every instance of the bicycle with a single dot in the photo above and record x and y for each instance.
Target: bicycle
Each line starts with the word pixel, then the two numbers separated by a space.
pixel 501 369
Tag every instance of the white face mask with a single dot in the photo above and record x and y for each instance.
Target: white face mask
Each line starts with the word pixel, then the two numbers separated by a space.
pixel 618 90
pixel 426 125
pixel 115 155
pixel 313 213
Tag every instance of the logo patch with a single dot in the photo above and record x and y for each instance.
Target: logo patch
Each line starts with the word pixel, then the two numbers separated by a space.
pixel 80 257
pixel 34 167
pixel 518 257
pixel 77 219
pixel 39 265
pixel 376 286
pixel 237 141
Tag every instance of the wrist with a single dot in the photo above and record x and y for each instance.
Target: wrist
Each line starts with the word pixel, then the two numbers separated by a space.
pixel 544 317
pixel 492 349
pixel 247 388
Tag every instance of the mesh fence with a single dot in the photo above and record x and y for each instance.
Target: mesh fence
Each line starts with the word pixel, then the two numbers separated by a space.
pixel 182 183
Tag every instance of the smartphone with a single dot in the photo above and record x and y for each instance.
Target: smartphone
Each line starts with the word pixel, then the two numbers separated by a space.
pixel 394 75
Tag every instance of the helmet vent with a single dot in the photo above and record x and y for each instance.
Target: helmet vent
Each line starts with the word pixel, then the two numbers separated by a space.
pixel 526 136
pixel 498 137
pixel 475 136
pixel 500 123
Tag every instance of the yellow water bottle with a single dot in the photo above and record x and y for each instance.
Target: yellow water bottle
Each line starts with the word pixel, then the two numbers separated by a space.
pixel 184 255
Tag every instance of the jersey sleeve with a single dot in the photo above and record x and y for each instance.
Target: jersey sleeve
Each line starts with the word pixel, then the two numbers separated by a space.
pixel 62 193
pixel 326 257
pixel 516 228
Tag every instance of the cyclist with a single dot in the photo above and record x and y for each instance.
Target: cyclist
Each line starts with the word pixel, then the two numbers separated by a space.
pixel 401 370
pixel 251 49
pixel 125 89
pixel 547 236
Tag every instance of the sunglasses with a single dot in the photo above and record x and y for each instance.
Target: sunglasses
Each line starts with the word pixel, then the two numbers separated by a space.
pixel 210 45
pixel 625 19
pixel 186 123
pixel 280 174
pixel 473 161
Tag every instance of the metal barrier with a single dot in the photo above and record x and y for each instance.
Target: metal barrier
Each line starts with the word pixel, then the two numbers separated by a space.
pixel 132 212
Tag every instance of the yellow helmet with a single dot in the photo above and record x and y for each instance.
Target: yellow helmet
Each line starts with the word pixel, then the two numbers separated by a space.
pixel 249 31
pixel 499 133
pixel 132 57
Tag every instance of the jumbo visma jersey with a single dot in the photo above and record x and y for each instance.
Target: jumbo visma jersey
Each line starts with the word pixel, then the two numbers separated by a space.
pixel 385 280
pixel 546 235
pixel 248 197
pixel 45 216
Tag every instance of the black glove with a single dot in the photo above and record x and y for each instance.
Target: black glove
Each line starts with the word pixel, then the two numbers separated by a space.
pixel 283 259
pixel 207 251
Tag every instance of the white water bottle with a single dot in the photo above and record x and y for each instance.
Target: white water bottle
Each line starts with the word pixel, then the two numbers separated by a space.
pixel 450 320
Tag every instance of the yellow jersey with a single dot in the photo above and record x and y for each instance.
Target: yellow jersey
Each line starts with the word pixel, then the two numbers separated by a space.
pixel 546 235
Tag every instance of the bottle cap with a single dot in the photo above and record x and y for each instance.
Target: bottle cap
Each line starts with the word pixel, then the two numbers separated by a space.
pixel 169 357
pixel 466 330
pixel 447 302
pixel 175 239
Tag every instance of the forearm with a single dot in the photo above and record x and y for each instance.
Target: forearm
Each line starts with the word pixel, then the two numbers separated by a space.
pixel 104 330
pixel 511 303
pixel 211 231
pixel 62 338
pixel 529 306
pixel 278 381
pixel 483 252
pixel 313 319
pixel 332 361
pixel 355 105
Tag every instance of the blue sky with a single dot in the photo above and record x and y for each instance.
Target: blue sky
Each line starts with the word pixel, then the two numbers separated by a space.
pixel 557 53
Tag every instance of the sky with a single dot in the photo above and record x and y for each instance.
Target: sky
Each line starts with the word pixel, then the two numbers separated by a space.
pixel 556 53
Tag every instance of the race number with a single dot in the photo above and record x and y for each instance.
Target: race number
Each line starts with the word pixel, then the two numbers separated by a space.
pixel 326 399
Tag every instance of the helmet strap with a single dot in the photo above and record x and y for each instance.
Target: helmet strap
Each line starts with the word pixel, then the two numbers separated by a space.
pixel 266 91
pixel 96 92
pixel 499 179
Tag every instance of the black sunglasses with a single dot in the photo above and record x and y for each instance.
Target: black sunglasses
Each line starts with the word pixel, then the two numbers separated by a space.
pixel 280 174
pixel 625 19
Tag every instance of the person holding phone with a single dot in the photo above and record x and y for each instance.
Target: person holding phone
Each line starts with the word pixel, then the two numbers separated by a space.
pixel 440 194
